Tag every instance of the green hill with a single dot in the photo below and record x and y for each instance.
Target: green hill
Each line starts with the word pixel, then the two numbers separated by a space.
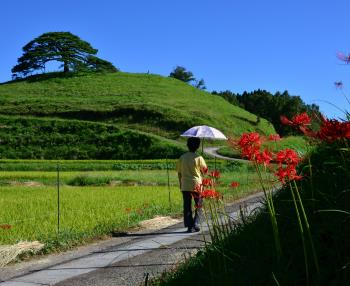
pixel 115 115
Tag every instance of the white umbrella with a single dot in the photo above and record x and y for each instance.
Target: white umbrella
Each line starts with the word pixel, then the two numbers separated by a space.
pixel 204 131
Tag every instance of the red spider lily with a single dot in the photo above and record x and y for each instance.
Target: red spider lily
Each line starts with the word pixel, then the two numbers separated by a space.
pixel 308 132
pixel 287 174
pixel 250 145
pixel 250 152
pixel 210 194
pixel 139 211
pixel 128 210
pixel 234 184
pixel 207 182
pixel 274 137
pixel 264 157
pixel 250 139
pixel 198 188
pixel 332 129
pixel 343 57
pixel 287 156
pixel 215 174
pixel 204 170
pixel 5 226
pixel 285 121
pixel 301 119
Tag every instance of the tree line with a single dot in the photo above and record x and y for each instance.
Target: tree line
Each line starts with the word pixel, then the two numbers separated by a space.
pixel 270 106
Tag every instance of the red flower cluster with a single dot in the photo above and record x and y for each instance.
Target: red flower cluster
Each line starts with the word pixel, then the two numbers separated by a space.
pixel 288 159
pixel 264 157
pixel 207 182
pixel 330 129
pixel 204 170
pixel 287 173
pixel 207 188
pixel 234 184
pixel 274 137
pixel 250 145
pixel 212 194
pixel 198 188
pixel 215 174
pixel 301 119
pixel 287 156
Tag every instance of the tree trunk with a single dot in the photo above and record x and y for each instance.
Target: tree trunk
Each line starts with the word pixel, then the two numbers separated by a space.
pixel 65 67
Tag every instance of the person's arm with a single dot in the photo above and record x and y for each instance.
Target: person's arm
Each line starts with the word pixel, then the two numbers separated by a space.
pixel 203 166
pixel 178 169
pixel 179 176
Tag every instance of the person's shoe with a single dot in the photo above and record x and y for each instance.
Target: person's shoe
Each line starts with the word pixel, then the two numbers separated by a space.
pixel 190 230
pixel 196 228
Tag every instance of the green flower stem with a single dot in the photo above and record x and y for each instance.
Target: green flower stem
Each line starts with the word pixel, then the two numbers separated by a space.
pixel 207 221
pixel 301 233
pixel 311 184
pixel 314 254
pixel 220 218
pixel 226 219
pixel 272 213
pixel 215 220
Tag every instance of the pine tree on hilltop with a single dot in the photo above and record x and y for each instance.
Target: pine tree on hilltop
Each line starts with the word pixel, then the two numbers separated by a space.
pixel 74 54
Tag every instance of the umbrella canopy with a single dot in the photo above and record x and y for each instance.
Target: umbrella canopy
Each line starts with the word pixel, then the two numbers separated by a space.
pixel 204 131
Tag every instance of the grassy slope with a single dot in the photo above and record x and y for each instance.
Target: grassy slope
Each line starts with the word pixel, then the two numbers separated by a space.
pixel 89 112
pixel 138 102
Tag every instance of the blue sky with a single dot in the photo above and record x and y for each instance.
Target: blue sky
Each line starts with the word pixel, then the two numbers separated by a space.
pixel 235 45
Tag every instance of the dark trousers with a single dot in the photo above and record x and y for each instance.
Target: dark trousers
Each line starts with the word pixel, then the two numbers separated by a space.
pixel 189 220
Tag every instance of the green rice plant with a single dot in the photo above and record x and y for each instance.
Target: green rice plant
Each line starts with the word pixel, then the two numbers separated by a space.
pixel 105 165
pixel 88 180
pixel 85 212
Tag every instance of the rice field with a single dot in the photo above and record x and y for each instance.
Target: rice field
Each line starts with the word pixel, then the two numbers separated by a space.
pixel 93 203
pixel 32 212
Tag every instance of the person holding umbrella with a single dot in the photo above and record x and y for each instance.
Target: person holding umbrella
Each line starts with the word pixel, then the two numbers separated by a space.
pixel 190 167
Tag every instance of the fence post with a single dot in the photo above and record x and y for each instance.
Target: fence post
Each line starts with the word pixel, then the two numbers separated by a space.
pixel 167 171
pixel 58 199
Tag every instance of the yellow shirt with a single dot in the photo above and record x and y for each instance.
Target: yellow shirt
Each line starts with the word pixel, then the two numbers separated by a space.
pixel 189 167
